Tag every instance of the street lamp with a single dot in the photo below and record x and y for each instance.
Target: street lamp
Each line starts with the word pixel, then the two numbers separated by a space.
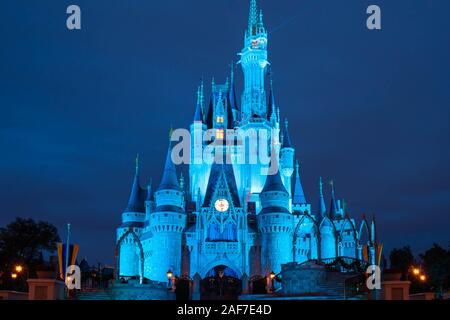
pixel 416 271
pixel 423 277
pixel 19 268
pixel 272 278
pixel 169 278
pixel 14 275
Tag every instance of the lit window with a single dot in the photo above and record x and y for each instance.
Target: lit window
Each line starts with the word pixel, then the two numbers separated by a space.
pixel 220 119
pixel 219 134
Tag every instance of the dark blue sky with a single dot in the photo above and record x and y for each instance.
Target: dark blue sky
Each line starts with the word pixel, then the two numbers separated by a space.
pixel 369 109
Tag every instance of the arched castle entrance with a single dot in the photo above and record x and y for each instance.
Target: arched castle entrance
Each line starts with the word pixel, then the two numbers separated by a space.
pixel 220 283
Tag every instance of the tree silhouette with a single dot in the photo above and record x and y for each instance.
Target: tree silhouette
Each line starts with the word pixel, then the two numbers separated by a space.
pixel 24 241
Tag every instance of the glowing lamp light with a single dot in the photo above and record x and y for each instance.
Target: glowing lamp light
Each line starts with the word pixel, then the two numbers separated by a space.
pixel 169 274
pixel 423 278
pixel 416 271
pixel 14 275
pixel 272 275
pixel 19 268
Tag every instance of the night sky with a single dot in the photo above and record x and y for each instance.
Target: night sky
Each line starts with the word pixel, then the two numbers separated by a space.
pixel 368 109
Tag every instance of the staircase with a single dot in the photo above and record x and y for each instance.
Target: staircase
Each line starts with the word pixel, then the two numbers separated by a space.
pixel 94 294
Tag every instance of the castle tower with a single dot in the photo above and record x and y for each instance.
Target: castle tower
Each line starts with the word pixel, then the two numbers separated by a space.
pixel 167 223
pixel 275 223
pixel 131 229
pixel 254 63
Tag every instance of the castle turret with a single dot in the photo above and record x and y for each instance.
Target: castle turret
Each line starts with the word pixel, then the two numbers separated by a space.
pixel 131 229
pixel 275 223
pixel 167 223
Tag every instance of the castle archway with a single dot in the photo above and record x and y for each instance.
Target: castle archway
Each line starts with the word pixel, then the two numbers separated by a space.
pixel 220 283
pixel 130 235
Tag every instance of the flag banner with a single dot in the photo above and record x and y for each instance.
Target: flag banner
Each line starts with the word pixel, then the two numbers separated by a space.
pixel 72 258
pixel 379 251
pixel 365 253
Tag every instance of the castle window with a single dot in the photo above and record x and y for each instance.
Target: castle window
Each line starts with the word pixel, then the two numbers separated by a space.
pixel 219 119
pixel 219 134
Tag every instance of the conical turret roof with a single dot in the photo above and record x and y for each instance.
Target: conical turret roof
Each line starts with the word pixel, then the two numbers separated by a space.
pixel 274 183
pixel 137 194
pixel 299 196
pixel 169 179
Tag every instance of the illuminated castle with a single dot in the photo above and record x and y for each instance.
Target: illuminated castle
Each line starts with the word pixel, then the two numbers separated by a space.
pixel 229 214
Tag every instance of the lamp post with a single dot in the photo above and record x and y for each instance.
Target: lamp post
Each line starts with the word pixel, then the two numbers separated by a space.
pixel 169 279
pixel 272 279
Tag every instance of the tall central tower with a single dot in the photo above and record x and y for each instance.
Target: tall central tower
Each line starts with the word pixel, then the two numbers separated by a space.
pixel 254 63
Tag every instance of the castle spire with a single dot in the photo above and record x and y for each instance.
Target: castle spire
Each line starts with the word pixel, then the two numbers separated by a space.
pixel 169 179
pixel 286 137
pixel 232 90
pixel 333 202
pixel 198 117
pixel 253 18
pixel 299 196
pixel 137 164
pixel 272 106
pixel 322 208
pixel 134 201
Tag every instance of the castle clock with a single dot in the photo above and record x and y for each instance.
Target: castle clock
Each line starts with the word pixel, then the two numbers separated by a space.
pixel 221 205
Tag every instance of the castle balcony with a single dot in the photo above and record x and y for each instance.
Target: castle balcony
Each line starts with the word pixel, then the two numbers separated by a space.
pixel 214 247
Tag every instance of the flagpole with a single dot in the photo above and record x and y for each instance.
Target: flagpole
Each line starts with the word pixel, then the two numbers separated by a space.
pixel 67 253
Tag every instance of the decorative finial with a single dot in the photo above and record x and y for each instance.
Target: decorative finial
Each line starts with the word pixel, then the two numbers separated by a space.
pixel 331 183
pixel 232 71
pixel 137 163
pixel 296 166
pixel 170 133
pixel 202 93
pixel 321 186
pixel 286 123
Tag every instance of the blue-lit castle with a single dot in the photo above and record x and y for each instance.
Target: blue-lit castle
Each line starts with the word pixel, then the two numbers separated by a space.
pixel 230 218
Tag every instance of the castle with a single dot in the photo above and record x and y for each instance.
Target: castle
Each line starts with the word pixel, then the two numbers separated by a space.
pixel 229 214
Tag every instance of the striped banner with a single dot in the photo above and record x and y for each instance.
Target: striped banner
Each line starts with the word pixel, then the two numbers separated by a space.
pixel 73 252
